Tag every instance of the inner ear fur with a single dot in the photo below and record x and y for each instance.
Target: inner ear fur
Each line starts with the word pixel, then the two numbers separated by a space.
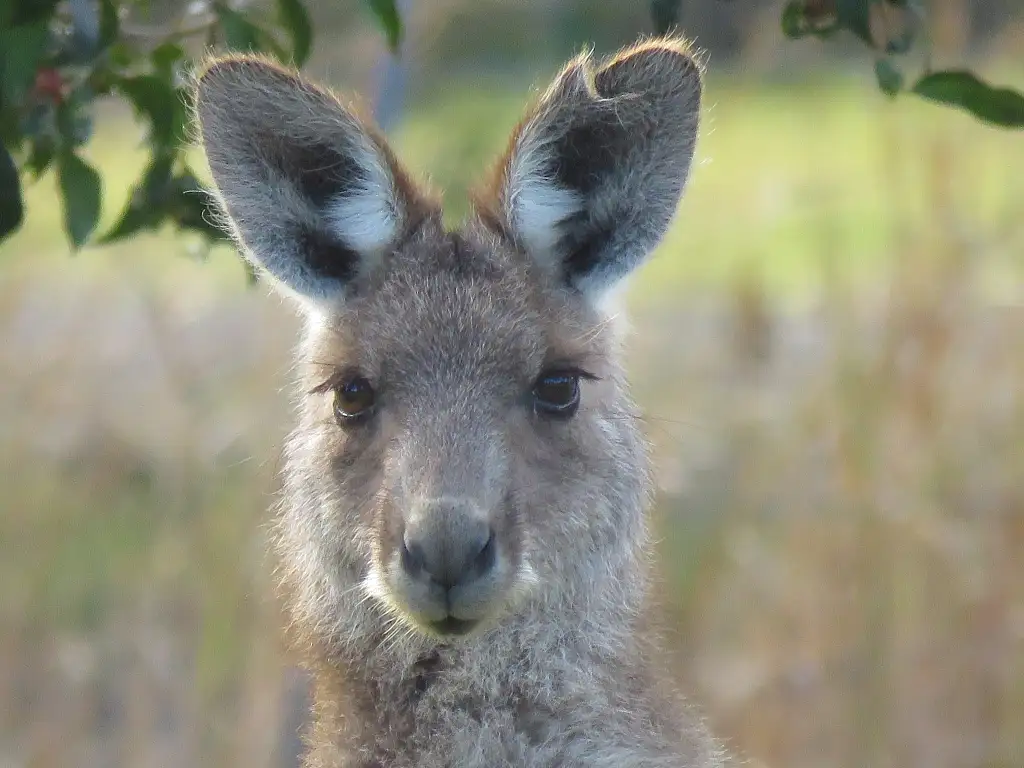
pixel 308 186
pixel 594 171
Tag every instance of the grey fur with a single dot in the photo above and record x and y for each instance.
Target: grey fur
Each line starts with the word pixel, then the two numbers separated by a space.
pixel 615 142
pixel 453 329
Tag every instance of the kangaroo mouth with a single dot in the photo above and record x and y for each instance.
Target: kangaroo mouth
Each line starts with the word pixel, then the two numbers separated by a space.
pixel 452 626
pixel 448 613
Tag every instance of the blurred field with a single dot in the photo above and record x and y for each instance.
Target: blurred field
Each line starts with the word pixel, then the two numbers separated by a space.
pixel 828 351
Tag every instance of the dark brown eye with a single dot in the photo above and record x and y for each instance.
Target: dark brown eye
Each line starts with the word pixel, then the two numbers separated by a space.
pixel 557 393
pixel 353 400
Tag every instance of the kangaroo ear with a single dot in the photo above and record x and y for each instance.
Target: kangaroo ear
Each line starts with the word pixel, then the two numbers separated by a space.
pixel 311 194
pixel 594 173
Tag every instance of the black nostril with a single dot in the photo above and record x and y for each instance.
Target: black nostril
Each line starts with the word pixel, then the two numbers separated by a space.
pixel 485 558
pixel 448 550
pixel 413 560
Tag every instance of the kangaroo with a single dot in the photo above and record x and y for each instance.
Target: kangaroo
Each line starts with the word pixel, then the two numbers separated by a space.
pixel 461 531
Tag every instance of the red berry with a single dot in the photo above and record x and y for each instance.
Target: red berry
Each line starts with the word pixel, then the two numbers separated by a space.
pixel 49 84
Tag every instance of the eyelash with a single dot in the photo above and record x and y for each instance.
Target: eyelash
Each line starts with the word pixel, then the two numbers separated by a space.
pixel 335 380
pixel 342 376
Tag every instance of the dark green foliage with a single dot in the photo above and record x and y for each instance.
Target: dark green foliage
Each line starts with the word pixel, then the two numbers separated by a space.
pixel 891 28
pixel 12 208
pixel 889 78
pixel 80 190
pixel 999 106
pixel 56 59
pixel 387 16
pixel 295 20
pixel 239 33
pixel 21 47
pixel 157 100
pixel 855 16
pixel 665 15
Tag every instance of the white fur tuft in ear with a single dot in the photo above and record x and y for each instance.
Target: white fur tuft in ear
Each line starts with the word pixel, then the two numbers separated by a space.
pixel 367 218
pixel 595 171
pixel 536 203
pixel 313 194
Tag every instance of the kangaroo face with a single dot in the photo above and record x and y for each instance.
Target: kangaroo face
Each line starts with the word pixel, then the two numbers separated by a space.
pixel 466 442
pixel 470 424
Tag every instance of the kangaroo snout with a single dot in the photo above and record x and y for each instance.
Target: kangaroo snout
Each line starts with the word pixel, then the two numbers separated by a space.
pixel 451 568
pixel 449 543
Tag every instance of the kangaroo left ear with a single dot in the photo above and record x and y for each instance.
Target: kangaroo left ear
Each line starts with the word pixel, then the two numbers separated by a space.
pixel 594 173
pixel 312 193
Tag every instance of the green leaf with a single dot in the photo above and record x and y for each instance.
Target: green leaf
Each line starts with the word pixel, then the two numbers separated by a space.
pixel 133 219
pixel 793 25
pixel 958 88
pixel 80 187
pixel 74 117
pixel 39 126
pixel 40 156
pixel 110 22
pixel 387 17
pixel 74 124
pixel 12 208
pixel 890 79
pixel 797 22
pixel 40 120
pixel 157 99
pixel 146 207
pixel 855 15
pixel 159 196
pixel 665 14
pixel 295 19
pixel 122 55
pixel 191 207
pixel 240 34
pixel 21 50
pixel 157 178
pixel 30 11
pixel 165 57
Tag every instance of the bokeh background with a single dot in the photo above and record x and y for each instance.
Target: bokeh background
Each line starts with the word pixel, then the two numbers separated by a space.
pixel 828 349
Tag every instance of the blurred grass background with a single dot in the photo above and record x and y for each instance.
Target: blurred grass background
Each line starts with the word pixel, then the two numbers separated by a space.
pixel 828 348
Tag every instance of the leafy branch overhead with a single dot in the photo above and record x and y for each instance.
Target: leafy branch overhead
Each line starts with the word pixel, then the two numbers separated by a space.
pixel 892 29
pixel 57 57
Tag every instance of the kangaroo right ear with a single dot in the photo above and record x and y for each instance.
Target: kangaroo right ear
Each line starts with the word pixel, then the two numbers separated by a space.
pixel 312 194
pixel 595 171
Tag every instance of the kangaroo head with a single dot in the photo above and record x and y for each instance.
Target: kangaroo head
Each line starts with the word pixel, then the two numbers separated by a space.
pixel 466 444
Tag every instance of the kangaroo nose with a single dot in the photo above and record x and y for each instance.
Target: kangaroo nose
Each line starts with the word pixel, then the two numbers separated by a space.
pixel 448 543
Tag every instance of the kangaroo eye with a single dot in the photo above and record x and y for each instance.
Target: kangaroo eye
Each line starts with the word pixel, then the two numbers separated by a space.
pixel 557 393
pixel 353 399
